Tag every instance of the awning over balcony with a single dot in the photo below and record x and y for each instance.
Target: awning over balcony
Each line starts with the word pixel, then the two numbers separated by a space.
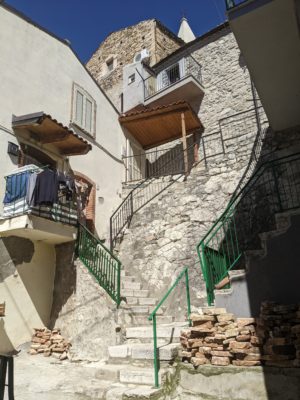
pixel 154 126
pixel 48 130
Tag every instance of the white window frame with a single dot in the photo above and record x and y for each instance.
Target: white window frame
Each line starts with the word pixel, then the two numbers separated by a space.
pixel 88 127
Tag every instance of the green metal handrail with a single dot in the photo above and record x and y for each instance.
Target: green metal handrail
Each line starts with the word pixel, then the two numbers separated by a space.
pixel 152 317
pixel 274 187
pixel 100 262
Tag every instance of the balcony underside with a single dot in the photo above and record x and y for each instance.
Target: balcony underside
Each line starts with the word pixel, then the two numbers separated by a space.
pixel 267 32
pixel 47 130
pixel 152 127
pixel 186 89
pixel 37 228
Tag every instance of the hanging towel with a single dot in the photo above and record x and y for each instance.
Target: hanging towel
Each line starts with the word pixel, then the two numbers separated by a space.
pixel 16 186
pixel 31 188
pixel 46 188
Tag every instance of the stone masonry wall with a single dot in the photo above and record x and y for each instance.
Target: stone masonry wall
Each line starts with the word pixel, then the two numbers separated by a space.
pixel 226 80
pixel 82 310
pixel 123 45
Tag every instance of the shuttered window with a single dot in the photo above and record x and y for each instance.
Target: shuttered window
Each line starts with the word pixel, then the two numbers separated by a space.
pixel 84 110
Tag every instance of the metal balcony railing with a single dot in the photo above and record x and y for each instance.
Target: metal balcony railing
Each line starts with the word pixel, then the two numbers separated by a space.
pixel 16 203
pixel 185 67
pixel 157 163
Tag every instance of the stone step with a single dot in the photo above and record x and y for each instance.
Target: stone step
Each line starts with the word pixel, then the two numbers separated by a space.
pixel 147 301
pixel 134 293
pixel 143 310
pixel 138 351
pixel 142 301
pixel 168 331
pixel 131 285
pixel 143 320
pixel 139 376
pixel 128 278
pixel 139 392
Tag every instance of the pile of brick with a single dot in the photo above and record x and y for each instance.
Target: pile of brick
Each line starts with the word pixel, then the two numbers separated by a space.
pixel 49 343
pixel 279 327
pixel 218 338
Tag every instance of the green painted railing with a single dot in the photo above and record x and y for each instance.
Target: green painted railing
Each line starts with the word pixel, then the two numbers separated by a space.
pixel 274 187
pixel 101 263
pixel 152 318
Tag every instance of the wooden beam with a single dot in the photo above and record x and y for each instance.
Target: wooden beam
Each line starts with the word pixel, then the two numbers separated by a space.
pixel 184 145
pixel 196 146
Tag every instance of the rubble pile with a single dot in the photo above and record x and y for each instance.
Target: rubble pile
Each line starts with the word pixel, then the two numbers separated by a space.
pixel 49 343
pixel 219 338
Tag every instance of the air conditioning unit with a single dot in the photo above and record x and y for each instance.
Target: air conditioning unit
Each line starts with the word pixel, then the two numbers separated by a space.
pixel 142 55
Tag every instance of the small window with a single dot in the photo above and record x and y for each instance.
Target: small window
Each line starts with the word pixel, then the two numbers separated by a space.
pixel 84 110
pixel 131 79
pixel 110 65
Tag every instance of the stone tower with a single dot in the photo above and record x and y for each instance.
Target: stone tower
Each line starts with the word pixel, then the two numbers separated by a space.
pixel 121 47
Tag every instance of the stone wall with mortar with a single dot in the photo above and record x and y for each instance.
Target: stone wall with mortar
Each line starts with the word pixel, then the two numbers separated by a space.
pixel 82 310
pixel 163 235
pixel 123 45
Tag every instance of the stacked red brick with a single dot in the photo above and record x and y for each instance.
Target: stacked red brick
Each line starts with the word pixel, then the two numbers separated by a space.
pixel 218 338
pixel 49 343
pixel 279 326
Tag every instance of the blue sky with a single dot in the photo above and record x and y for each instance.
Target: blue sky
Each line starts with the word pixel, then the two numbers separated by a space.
pixel 86 23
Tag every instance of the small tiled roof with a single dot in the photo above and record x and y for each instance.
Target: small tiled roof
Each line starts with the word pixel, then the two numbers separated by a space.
pixel 47 127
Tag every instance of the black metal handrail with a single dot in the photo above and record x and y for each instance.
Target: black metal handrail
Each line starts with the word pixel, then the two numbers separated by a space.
pixel 158 162
pixel 144 192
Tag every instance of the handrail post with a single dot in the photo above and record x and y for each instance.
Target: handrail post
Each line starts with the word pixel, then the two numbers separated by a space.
pixel 119 285
pixel 156 380
pixel 188 299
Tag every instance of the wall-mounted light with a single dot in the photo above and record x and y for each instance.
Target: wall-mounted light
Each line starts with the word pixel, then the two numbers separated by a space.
pixel 13 149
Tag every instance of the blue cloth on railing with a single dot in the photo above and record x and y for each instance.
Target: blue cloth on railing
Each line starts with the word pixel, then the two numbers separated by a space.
pixel 16 186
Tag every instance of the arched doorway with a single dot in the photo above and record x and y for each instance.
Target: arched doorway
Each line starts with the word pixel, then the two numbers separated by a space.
pixel 86 200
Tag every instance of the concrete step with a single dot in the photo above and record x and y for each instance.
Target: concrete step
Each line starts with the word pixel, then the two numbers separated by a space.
pixel 168 331
pixel 137 351
pixel 134 293
pixel 131 285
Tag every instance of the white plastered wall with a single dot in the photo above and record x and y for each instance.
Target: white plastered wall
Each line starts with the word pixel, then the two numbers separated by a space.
pixel 37 74
pixel 28 294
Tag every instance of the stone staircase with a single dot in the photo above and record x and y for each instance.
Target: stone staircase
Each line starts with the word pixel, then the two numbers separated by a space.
pixel 269 270
pixel 130 364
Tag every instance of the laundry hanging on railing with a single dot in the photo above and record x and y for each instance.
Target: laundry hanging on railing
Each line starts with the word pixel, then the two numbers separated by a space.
pixel 41 191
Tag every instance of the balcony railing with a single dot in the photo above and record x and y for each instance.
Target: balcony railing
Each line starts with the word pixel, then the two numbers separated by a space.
pixel 16 203
pixel 185 67
pixel 234 3
pixel 157 163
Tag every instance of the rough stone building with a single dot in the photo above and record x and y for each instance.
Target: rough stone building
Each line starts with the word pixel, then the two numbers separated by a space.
pixel 122 47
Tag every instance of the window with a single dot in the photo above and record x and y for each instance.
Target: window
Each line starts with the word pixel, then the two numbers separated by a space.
pixel 84 110
pixel 110 65
pixel 131 79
